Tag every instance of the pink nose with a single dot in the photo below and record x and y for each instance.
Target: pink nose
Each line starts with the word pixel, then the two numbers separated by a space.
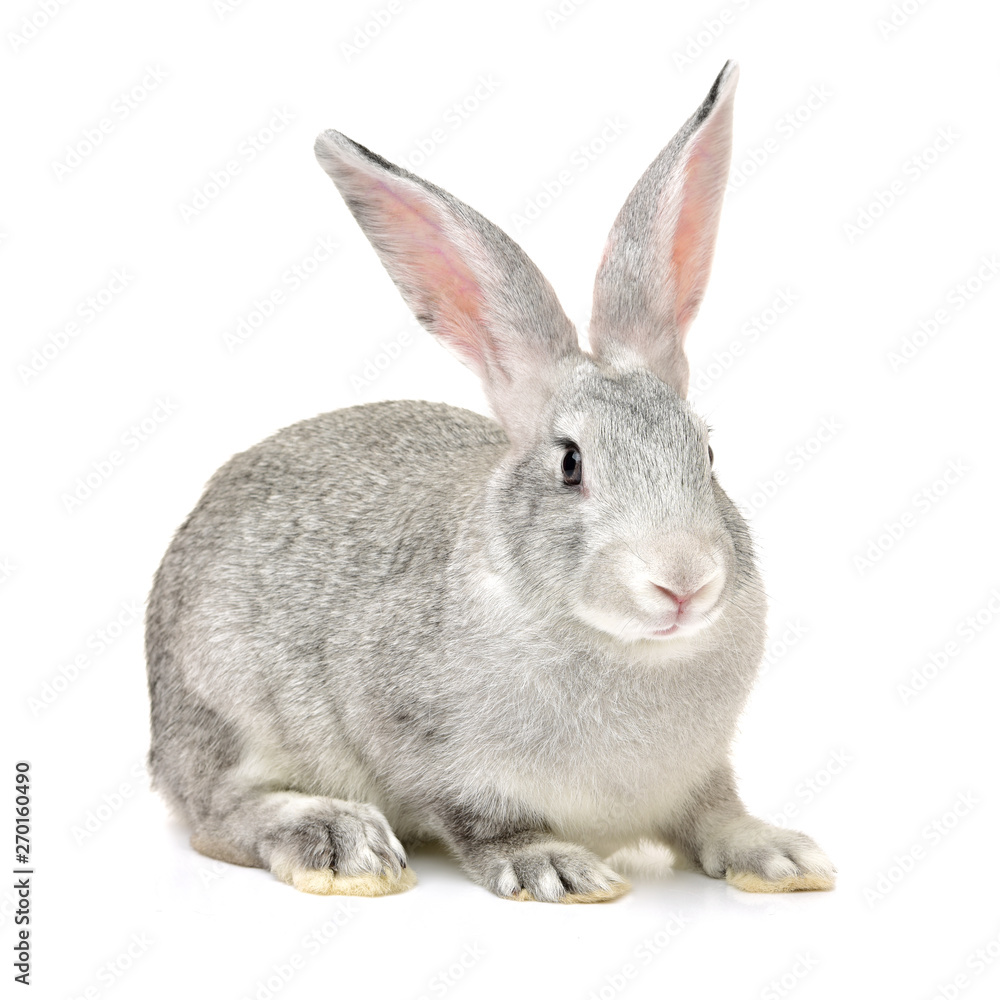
pixel 679 599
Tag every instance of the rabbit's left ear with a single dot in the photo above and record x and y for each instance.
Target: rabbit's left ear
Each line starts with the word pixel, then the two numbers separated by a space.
pixel 467 282
pixel 659 254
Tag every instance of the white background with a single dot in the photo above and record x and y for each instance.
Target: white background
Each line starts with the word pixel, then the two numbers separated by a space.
pixel 836 738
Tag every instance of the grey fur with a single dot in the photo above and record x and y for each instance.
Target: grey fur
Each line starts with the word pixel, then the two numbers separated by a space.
pixel 397 621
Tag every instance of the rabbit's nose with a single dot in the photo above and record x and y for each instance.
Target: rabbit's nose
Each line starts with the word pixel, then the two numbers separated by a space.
pixel 678 599
pixel 710 586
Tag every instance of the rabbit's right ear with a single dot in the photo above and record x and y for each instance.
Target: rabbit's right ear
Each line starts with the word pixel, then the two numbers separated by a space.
pixel 466 281
pixel 659 253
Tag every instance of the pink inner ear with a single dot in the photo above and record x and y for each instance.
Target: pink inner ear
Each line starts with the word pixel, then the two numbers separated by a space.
pixel 694 235
pixel 439 284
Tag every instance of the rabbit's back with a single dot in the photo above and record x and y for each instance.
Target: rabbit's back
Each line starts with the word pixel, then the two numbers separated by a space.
pixel 349 497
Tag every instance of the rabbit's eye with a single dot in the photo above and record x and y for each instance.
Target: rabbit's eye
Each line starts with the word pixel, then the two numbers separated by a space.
pixel 711 456
pixel 572 465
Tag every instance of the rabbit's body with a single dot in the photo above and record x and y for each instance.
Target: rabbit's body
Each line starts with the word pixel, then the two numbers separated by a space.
pixel 348 651
pixel 404 620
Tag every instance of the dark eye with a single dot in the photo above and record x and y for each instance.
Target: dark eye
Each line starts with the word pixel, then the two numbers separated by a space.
pixel 572 465
pixel 711 456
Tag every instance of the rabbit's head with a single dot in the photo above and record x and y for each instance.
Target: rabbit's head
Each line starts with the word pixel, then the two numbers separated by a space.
pixel 605 507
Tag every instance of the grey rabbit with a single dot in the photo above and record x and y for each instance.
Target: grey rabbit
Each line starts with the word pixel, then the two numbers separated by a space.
pixel 528 639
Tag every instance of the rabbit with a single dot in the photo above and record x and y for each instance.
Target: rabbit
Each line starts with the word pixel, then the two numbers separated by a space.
pixel 529 638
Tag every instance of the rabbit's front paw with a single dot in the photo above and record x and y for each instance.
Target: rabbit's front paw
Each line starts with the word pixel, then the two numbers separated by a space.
pixel 757 857
pixel 549 872
pixel 338 848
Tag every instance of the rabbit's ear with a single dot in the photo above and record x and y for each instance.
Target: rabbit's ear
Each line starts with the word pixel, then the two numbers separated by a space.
pixel 659 253
pixel 466 280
